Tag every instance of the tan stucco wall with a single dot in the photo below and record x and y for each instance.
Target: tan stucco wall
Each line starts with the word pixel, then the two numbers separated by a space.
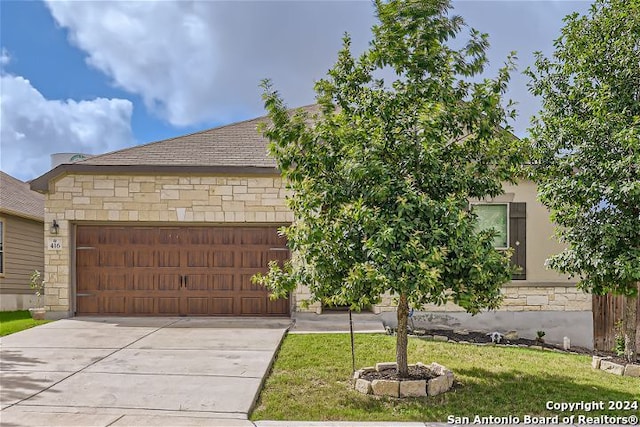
pixel 543 289
pixel 150 199
pixel 204 200
pixel 541 243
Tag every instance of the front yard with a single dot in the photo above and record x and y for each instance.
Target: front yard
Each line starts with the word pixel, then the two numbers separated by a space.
pixel 16 321
pixel 311 381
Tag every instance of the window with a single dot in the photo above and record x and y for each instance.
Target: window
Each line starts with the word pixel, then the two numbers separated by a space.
pixel 494 216
pixel 1 247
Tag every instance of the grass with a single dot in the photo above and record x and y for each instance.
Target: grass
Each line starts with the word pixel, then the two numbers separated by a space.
pixel 310 380
pixel 16 321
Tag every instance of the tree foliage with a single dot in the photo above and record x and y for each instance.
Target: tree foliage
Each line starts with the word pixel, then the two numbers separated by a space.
pixel 382 170
pixel 587 143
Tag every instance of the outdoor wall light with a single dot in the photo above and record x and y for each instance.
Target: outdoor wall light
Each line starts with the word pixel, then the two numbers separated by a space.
pixel 55 227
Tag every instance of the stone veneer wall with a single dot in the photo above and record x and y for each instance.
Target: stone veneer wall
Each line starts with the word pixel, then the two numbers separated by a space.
pixel 521 297
pixel 201 200
pixel 142 199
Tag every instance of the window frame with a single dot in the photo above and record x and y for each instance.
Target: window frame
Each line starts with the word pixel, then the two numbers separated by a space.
pixel 508 216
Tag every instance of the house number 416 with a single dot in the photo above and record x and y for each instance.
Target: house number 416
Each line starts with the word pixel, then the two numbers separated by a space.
pixel 55 244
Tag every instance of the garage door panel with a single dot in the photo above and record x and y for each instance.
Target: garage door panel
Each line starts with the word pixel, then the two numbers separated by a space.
pixel 169 282
pixel 143 236
pixel 254 259
pixel 252 305
pixel 223 259
pixel 279 306
pixel 223 236
pixel 87 236
pixel 142 305
pixel 86 257
pixel 115 258
pixel 114 280
pixel 115 236
pixel 197 306
pixel 223 282
pixel 266 236
pixel 197 282
pixel 88 304
pixel 169 306
pixel 169 258
pixel 222 306
pixel 175 270
pixel 114 305
pixel 87 280
pixel 172 236
pixel 278 255
pixel 247 285
pixel 198 258
pixel 145 281
pixel 144 258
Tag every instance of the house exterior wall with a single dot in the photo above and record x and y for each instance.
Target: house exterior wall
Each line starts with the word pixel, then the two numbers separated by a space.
pixel 544 289
pixel 187 200
pixel 23 253
pixel 204 200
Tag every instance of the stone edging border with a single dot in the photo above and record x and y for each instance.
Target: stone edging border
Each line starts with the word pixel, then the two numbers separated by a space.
pixel 443 338
pixel 406 388
pixel 630 370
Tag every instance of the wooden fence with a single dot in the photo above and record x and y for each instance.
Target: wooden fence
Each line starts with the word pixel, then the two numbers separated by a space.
pixel 607 310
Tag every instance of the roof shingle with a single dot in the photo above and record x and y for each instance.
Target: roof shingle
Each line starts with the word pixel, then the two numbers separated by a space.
pixel 238 144
pixel 16 198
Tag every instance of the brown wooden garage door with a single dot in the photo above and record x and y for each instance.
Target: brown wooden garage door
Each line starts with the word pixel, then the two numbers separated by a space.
pixel 176 271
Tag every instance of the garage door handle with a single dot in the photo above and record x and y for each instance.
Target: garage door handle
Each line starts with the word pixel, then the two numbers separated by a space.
pixel 84 295
pixel 186 281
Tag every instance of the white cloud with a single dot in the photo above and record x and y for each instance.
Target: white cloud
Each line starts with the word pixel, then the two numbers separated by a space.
pixel 5 58
pixel 32 127
pixel 163 51
pixel 201 61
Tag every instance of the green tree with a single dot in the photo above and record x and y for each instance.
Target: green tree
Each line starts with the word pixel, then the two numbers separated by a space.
pixel 382 171
pixel 587 143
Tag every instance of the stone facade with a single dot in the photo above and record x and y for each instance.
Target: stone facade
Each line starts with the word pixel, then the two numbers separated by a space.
pixel 525 297
pixel 201 200
pixel 198 200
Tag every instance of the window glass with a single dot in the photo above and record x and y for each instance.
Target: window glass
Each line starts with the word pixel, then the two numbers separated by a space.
pixel 493 216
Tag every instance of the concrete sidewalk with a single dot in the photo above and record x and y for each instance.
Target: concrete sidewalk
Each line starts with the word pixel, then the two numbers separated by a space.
pixel 154 371
pixel 136 371
pixel 336 322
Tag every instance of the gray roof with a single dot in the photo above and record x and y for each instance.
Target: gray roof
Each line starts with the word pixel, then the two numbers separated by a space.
pixel 236 148
pixel 238 144
pixel 16 198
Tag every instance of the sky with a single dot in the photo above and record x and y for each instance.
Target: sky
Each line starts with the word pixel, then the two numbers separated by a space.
pixel 97 76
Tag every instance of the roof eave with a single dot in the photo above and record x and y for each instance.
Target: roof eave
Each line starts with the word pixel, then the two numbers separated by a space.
pixel 9 212
pixel 41 184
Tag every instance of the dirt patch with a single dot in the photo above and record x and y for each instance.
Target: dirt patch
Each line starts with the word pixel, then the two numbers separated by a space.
pixel 415 373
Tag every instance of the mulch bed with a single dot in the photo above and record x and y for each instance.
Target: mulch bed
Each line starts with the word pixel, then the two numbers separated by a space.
pixel 483 338
pixel 415 373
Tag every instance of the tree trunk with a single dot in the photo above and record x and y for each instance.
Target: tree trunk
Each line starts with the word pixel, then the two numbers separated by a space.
pixel 401 337
pixel 630 325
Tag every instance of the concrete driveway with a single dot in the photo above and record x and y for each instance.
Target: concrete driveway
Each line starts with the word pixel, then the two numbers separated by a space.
pixel 136 371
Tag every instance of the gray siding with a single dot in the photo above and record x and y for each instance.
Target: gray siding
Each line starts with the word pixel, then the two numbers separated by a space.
pixel 23 253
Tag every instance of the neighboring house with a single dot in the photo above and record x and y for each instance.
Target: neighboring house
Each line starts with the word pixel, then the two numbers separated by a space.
pixel 178 227
pixel 21 242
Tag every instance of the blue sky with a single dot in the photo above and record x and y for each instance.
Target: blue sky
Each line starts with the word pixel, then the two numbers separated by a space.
pixel 97 76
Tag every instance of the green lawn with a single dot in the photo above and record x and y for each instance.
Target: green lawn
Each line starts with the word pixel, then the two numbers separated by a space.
pixel 16 321
pixel 311 381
